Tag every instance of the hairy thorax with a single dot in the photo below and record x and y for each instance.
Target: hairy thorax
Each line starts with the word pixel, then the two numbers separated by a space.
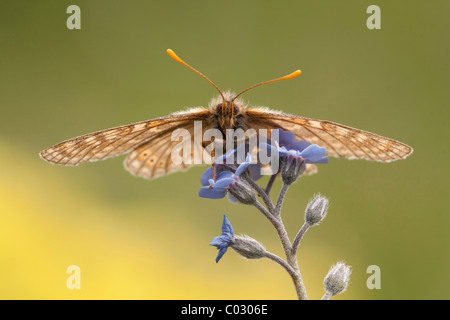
pixel 228 113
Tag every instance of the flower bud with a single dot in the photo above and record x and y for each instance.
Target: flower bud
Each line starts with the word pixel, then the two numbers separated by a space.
pixel 242 192
pixel 316 210
pixel 291 168
pixel 248 247
pixel 336 280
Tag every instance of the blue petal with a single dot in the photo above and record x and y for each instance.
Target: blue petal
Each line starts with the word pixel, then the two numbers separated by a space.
pixel 221 253
pixel 222 182
pixel 241 168
pixel 220 242
pixel 208 174
pixel 299 145
pixel 212 193
pixel 241 152
pixel 223 159
pixel 243 165
pixel 286 137
pixel 227 228
pixel 284 152
pixel 255 171
pixel 224 174
pixel 313 153
pixel 229 158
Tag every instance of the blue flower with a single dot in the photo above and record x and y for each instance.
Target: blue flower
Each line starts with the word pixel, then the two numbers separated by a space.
pixel 288 146
pixel 223 241
pixel 218 189
pixel 229 162
pixel 311 154
pixel 291 155
pixel 287 140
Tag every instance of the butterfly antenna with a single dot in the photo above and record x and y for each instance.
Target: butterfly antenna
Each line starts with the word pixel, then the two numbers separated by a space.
pixel 177 59
pixel 289 76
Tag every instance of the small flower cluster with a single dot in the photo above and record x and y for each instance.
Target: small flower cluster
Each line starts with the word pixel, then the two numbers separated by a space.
pixel 237 180
pixel 292 156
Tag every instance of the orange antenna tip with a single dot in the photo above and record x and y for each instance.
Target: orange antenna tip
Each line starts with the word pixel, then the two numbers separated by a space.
pixel 293 74
pixel 173 55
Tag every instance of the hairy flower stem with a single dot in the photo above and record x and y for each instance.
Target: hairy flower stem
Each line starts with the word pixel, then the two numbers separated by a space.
pixel 280 199
pixel 287 247
pixel 261 192
pixel 326 296
pixel 268 215
pixel 292 261
pixel 299 237
pixel 281 262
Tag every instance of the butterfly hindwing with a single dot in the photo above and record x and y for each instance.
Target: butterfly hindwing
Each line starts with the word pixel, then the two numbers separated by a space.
pixel 164 154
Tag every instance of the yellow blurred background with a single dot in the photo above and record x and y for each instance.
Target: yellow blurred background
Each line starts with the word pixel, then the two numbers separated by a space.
pixel 138 239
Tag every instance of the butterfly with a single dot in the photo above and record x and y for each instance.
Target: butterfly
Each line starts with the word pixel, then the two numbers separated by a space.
pixel 150 144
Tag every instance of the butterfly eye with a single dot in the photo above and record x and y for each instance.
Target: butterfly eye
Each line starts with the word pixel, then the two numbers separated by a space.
pixel 235 109
pixel 219 109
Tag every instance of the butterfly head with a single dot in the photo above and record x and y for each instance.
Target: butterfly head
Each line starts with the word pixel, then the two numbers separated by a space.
pixel 227 110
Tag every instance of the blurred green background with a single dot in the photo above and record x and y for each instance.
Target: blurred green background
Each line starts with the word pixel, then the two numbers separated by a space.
pixel 138 239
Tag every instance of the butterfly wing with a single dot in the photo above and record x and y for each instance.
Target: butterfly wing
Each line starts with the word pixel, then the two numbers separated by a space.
pixel 160 155
pixel 340 140
pixel 119 140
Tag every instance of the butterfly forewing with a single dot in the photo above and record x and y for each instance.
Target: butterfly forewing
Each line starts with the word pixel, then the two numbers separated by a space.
pixel 340 141
pixel 116 141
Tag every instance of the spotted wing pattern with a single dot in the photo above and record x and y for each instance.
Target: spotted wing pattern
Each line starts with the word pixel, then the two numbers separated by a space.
pixel 116 141
pixel 160 155
pixel 340 140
